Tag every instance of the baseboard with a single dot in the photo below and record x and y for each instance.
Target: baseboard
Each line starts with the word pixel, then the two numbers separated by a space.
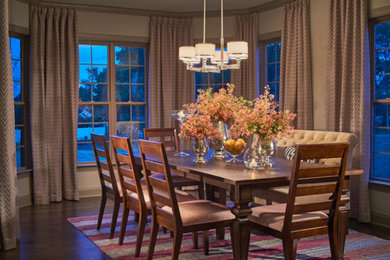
pixel 92 192
pixel 24 201
pixel 380 219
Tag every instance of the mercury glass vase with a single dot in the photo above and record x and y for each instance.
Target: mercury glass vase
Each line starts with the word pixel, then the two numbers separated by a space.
pixel 217 144
pixel 267 149
pixel 258 155
pixel 200 149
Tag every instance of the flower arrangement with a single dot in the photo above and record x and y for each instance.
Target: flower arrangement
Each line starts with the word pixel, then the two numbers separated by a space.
pixel 198 126
pixel 262 119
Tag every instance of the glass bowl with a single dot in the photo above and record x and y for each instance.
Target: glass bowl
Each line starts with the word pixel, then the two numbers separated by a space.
pixel 234 147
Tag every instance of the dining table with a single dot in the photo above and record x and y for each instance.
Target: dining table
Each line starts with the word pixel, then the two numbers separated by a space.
pixel 239 182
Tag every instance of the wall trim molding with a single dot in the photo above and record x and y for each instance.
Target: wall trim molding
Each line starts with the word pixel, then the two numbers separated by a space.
pixel 380 219
pixel 115 38
pixel 91 192
pixel 143 12
pixel 270 35
pixel 377 12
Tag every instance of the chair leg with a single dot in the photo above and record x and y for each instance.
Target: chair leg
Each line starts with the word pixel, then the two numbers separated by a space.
pixel 114 217
pixel 125 217
pixel 201 191
pixel 101 211
pixel 153 237
pixel 171 234
pixel 195 239
pixel 176 245
pixel 333 241
pixel 290 249
pixel 205 238
pixel 140 234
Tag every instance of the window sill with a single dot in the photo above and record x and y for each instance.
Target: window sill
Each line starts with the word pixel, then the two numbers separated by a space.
pixel 85 165
pixel 378 182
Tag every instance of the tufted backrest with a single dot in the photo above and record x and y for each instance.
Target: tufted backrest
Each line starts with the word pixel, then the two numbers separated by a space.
pixel 319 137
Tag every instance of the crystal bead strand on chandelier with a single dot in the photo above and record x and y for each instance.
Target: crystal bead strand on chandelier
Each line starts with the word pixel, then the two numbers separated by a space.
pixel 204 58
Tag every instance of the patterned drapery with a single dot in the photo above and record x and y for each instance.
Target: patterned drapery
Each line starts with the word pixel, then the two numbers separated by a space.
pixel 246 79
pixel 296 93
pixel 348 90
pixel 170 84
pixel 9 211
pixel 54 99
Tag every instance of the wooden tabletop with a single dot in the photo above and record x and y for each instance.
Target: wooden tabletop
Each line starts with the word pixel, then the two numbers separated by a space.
pixel 237 174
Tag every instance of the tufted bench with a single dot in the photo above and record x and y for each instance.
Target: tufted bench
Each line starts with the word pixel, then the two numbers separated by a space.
pixel 279 194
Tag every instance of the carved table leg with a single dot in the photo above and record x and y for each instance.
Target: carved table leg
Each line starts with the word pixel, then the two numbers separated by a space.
pixel 221 198
pixel 342 231
pixel 241 229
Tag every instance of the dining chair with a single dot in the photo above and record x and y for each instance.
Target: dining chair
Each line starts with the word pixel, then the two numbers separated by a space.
pixel 168 211
pixel 169 138
pixel 110 187
pixel 298 219
pixel 136 196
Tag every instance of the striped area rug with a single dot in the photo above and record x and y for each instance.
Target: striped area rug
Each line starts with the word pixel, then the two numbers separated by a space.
pixel 358 245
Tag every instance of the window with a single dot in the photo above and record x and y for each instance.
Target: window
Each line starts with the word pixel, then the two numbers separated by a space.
pixel 271 66
pixel 211 80
pixel 111 94
pixel 381 100
pixel 17 59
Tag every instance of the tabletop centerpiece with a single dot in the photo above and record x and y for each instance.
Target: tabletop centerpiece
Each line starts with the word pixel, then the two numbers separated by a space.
pixel 181 116
pixel 265 122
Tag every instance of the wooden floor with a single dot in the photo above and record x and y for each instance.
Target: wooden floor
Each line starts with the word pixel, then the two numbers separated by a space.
pixel 45 233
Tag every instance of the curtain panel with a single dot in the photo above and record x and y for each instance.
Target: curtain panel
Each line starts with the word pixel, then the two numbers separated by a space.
pixel 296 93
pixel 170 84
pixel 54 99
pixel 246 79
pixel 9 211
pixel 348 90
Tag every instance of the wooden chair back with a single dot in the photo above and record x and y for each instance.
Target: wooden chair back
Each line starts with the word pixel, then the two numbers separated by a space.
pixel 104 165
pixel 167 136
pixel 313 179
pixel 129 173
pixel 164 207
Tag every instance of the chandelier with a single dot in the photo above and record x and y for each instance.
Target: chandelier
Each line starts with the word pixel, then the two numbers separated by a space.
pixel 205 58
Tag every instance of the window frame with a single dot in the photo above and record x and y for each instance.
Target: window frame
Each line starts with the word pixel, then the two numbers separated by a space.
pixel 24 83
pixel 111 85
pixel 263 63
pixel 372 24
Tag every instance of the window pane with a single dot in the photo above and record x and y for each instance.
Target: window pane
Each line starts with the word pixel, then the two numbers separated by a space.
pixel 137 56
pixel 85 73
pixel 85 92
pixel 382 61
pixel 101 113
pixel 16 70
pixel 201 78
pixel 122 93
pixel 19 135
pixel 138 93
pixel 99 54
pixel 381 166
pixel 277 72
pixel 17 91
pixel 85 113
pixel 271 53
pixel 277 92
pixel 122 74
pixel 382 140
pixel 85 53
pixel 382 86
pixel 19 115
pixel 138 131
pixel 101 129
pixel 215 78
pixel 135 147
pixel 138 113
pixel 270 73
pixel 278 46
pixel 15 48
pixel 123 130
pixel 100 92
pixel 84 133
pixel 122 113
pixel 85 152
pixel 19 157
pixel 226 76
pixel 99 73
pixel 381 115
pixel 121 55
pixel 382 35
pixel 138 75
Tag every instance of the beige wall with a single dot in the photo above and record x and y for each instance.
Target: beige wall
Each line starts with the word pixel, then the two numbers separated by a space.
pixel 104 26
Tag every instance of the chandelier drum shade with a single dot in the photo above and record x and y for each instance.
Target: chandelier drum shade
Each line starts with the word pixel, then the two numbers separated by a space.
pixel 205 58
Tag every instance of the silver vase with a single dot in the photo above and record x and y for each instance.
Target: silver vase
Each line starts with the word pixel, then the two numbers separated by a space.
pixel 200 149
pixel 217 143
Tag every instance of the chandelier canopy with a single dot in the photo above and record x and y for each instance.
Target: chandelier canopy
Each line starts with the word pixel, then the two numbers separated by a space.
pixel 205 58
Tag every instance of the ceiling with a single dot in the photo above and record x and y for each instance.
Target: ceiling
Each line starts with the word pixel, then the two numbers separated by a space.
pixel 167 5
